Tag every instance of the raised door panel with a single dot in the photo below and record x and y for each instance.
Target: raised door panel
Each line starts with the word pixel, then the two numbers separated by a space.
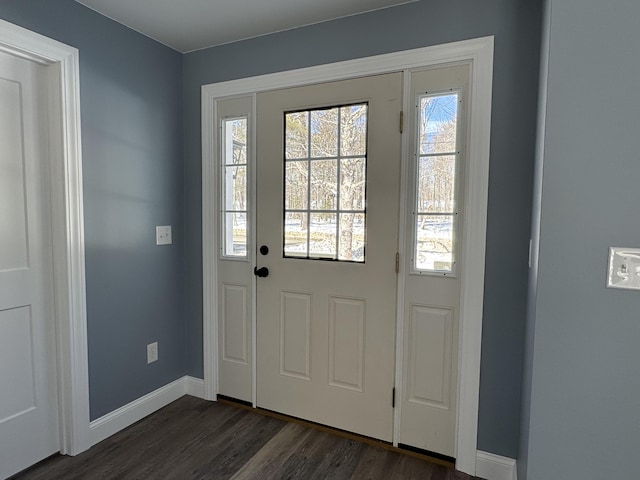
pixel 295 335
pixel 430 332
pixel 234 323
pixel 16 362
pixel 346 342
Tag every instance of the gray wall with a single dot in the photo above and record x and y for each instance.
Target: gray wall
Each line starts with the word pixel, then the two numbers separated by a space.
pixel 584 420
pixel 131 101
pixel 516 26
pixel 525 413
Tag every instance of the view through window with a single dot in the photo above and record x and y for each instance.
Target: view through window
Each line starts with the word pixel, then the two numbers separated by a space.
pixel 234 188
pixel 436 207
pixel 325 183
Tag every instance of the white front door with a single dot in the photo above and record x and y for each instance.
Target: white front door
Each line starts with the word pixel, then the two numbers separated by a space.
pixel 328 177
pixel 28 402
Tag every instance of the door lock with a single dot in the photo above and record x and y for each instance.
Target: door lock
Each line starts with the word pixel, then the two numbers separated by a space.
pixel 261 272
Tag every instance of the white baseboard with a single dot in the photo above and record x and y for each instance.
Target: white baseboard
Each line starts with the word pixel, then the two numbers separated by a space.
pixel 127 415
pixel 495 467
pixel 194 387
pixel 488 465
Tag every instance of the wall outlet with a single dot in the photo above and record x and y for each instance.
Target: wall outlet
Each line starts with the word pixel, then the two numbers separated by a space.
pixel 163 235
pixel 152 352
pixel 624 268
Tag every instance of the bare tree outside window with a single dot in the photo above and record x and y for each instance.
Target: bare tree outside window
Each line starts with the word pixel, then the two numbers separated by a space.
pixel 437 157
pixel 234 187
pixel 325 183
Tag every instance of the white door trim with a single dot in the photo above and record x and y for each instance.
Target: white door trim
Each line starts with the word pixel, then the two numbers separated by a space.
pixel 479 52
pixel 67 218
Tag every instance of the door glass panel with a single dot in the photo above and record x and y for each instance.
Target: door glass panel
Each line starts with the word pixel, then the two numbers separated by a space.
pixel 436 184
pixel 234 188
pixel 236 182
pixel 352 183
pixel 296 192
pixel 438 123
pixel 296 236
pixel 325 186
pixel 435 242
pixel 437 157
pixel 322 235
pixel 237 223
pixel 353 130
pixel 351 237
pixel 297 132
pixel 324 133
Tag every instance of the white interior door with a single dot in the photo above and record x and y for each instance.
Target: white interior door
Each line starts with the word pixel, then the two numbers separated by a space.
pixel 28 404
pixel 328 177
pixel 433 266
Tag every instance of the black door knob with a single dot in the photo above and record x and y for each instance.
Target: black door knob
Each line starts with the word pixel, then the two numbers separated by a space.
pixel 264 249
pixel 261 272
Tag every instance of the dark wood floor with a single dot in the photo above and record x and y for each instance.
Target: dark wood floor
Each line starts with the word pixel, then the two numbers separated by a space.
pixel 195 439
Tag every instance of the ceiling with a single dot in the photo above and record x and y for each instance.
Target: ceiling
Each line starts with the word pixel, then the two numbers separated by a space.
pixel 189 25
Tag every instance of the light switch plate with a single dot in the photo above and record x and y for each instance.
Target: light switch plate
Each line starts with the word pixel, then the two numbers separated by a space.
pixel 624 268
pixel 163 235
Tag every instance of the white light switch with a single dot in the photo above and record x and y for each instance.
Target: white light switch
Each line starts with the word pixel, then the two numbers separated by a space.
pixel 163 235
pixel 624 268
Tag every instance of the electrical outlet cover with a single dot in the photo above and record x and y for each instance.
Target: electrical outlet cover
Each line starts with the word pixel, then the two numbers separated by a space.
pixel 152 352
pixel 624 268
pixel 163 235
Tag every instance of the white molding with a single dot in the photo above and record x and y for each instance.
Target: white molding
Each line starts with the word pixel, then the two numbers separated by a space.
pixel 132 412
pixel 402 239
pixel 194 387
pixel 68 227
pixel 209 252
pixel 495 467
pixel 397 61
pixel 473 257
pixel 479 52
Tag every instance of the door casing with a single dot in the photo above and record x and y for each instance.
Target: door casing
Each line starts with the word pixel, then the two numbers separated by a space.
pixel 479 54
pixel 67 218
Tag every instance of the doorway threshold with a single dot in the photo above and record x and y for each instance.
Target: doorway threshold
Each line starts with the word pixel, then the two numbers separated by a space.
pixel 426 455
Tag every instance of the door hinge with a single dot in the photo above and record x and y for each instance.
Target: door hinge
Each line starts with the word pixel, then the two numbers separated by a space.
pixel 393 397
pixel 397 262
pixel 401 121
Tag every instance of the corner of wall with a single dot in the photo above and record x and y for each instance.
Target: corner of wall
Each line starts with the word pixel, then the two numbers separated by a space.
pixel 495 467
pixel 527 369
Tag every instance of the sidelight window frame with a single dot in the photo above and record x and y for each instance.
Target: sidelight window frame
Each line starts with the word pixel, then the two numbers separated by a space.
pixel 226 231
pixel 454 213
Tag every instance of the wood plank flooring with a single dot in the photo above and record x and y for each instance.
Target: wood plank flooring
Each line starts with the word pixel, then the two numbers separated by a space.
pixel 194 439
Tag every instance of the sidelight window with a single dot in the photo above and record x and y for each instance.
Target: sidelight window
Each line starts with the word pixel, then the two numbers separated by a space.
pixel 436 184
pixel 234 187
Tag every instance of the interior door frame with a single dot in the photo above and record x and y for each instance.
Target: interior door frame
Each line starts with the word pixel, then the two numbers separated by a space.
pixel 479 54
pixel 67 219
